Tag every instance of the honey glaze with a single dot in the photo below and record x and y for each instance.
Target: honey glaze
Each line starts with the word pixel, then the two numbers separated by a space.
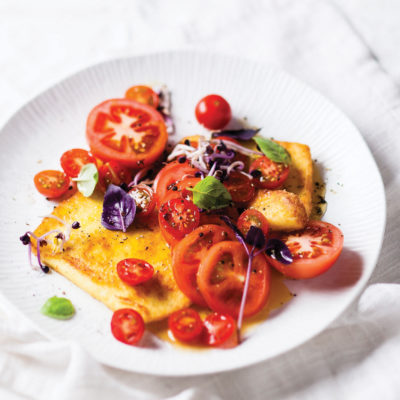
pixel 279 295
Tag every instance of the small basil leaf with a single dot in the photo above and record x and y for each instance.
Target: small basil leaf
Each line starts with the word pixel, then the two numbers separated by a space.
pixel 241 134
pixel 211 194
pixel 273 150
pixel 87 179
pixel 58 307
pixel 279 251
pixel 119 209
pixel 255 237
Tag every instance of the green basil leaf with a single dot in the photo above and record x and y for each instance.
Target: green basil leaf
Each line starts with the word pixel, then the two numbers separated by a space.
pixel 87 179
pixel 211 194
pixel 273 150
pixel 58 307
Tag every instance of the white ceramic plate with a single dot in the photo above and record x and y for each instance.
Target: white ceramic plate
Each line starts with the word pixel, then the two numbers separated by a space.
pixel 53 122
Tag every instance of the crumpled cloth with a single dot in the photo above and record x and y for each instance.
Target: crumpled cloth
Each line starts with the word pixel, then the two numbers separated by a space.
pixel 348 50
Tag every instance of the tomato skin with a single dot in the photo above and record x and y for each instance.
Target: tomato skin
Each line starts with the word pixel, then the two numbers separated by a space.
pixel 240 188
pixel 213 112
pixel 51 183
pixel 143 94
pixel 186 325
pixel 325 254
pixel 144 200
pixel 127 326
pixel 134 271
pixel 189 252
pixel 271 175
pixel 251 217
pixel 220 331
pixel 73 160
pixel 168 177
pixel 185 185
pixel 221 278
pixel 177 218
pixel 115 173
pixel 126 131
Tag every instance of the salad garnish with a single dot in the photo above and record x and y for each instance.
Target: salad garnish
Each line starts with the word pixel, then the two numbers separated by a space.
pixel 240 134
pixel 273 150
pixel 87 179
pixel 210 194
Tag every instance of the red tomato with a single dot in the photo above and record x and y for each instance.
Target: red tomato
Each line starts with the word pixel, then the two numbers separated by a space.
pixel 133 271
pixel 127 326
pixel 240 188
pixel 143 94
pixel 188 253
pixel 184 185
pixel 73 160
pixel 220 330
pixel 166 180
pixel 177 218
pixel 126 131
pixel 186 325
pixel 221 278
pixel 213 112
pixel 314 249
pixel 268 174
pixel 51 183
pixel 115 173
pixel 144 199
pixel 250 218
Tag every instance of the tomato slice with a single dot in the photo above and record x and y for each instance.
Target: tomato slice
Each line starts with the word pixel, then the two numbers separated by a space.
pixel 221 279
pixel 127 326
pixel 73 160
pixel 51 183
pixel 165 183
pixel 268 174
pixel 115 173
pixel 177 218
pixel 186 325
pixel 134 271
pixel 250 218
pixel 144 199
pixel 143 94
pixel 213 112
pixel 189 252
pixel 185 185
pixel 126 131
pixel 240 188
pixel 220 330
pixel 314 249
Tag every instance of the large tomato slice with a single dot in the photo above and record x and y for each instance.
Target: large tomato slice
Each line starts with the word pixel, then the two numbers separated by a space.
pixel 314 249
pixel 221 279
pixel 188 254
pixel 126 131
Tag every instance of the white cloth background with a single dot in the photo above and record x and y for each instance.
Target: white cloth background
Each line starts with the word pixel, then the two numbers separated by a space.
pixel 347 49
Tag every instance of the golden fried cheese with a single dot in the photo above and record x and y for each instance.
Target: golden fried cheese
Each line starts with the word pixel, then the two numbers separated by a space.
pixel 91 254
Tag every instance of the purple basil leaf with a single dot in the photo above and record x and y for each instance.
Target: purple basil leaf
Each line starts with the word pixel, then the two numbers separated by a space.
pixel 119 209
pixel 255 237
pixel 279 251
pixel 241 134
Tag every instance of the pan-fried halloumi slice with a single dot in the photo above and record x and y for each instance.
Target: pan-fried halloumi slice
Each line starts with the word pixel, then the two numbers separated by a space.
pixel 90 256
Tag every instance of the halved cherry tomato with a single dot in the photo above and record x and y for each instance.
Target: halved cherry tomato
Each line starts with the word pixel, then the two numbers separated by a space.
pixel 314 249
pixel 220 330
pixel 213 112
pixel 240 188
pixel 144 199
pixel 251 217
pixel 51 183
pixel 73 160
pixel 177 218
pixel 166 180
pixel 268 174
pixel 143 94
pixel 188 254
pixel 134 271
pixel 126 131
pixel 185 185
pixel 186 325
pixel 127 326
pixel 221 279
pixel 115 173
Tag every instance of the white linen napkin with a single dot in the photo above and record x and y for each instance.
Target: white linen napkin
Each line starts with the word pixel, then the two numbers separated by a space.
pixel 329 45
